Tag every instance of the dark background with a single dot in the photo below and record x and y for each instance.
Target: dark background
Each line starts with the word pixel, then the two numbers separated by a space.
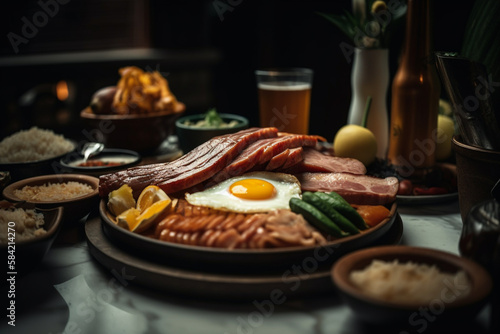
pixel 208 59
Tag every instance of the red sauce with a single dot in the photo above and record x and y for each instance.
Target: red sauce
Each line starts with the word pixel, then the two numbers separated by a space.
pixel 99 163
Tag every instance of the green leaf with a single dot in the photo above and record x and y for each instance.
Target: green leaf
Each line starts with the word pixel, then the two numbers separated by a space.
pixel 342 22
pixel 482 38
pixel 212 118
pixel 366 111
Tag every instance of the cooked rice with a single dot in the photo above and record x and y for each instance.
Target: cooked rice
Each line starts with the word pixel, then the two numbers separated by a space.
pixel 27 224
pixel 408 282
pixel 33 145
pixel 49 192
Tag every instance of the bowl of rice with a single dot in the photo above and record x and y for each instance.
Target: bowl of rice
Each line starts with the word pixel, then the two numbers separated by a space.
pixel 393 284
pixel 77 194
pixel 33 152
pixel 29 231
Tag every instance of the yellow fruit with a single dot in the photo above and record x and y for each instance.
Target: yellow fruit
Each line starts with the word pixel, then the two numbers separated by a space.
pixel 128 218
pixel 135 221
pixel 149 196
pixel 445 132
pixel 354 141
pixel 120 200
pixel 150 206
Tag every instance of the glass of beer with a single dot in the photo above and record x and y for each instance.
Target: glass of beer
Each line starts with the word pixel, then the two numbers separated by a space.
pixel 285 98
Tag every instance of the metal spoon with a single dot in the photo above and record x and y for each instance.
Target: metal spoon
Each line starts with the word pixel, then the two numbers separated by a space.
pixel 91 149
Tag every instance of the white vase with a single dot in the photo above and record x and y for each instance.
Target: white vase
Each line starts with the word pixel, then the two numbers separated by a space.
pixel 370 77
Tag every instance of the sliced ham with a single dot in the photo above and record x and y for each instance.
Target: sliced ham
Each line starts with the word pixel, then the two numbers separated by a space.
pixel 356 189
pixel 316 162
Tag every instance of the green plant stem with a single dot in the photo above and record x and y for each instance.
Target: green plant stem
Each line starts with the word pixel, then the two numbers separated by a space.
pixel 366 112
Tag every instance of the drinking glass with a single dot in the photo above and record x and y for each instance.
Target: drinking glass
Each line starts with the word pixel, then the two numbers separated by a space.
pixel 285 98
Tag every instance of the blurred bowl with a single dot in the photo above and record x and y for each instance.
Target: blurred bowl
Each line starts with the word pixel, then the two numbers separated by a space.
pixel 450 305
pixel 190 136
pixel 23 170
pixel 4 179
pixel 74 208
pixel 107 161
pixel 143 133
pixel 30 252
pixel 478 170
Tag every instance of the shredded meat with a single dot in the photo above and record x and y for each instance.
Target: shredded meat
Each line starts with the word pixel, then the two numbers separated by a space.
pixel 200 226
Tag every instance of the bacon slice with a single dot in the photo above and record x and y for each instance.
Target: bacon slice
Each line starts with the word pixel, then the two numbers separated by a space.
pixel 199 226
pixel 195 167
pixel 356 189
pixel 278 160
pixel 296 155
pixel 262 152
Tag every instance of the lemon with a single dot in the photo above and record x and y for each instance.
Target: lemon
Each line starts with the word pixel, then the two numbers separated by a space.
pixel 150 206
pixel 151 215
pixel 128 218
pixel 120 200
pixel 149 196
pixel 135 221
pixel 355 141
pixel 445 132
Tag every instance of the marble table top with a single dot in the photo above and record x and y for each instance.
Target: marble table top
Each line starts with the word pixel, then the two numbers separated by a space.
pixel 70 292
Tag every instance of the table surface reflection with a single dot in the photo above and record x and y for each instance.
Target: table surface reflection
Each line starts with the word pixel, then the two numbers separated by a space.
pixel 70 292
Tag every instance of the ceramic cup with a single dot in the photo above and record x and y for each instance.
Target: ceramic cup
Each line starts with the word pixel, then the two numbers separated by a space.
pixel 478 170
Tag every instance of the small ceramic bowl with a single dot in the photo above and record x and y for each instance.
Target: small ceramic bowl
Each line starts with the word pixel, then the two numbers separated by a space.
pixel 108 161
pixel 143 133
pixel 449 305
pixel 30 252
pixel 191 137
pixel 74 208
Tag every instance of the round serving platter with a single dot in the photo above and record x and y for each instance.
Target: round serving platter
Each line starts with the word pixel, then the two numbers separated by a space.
pixel 304 278
pixel 426 199
pixel 240 260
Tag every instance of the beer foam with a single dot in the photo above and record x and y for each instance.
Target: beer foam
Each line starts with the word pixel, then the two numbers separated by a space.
pixel 284 86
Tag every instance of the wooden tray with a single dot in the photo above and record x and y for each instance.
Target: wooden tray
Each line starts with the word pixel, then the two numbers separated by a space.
pixel 306 277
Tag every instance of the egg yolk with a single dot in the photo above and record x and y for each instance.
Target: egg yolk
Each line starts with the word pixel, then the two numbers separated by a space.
pixel 252 189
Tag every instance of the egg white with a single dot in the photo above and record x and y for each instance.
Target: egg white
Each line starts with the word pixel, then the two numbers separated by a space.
pixel 219 197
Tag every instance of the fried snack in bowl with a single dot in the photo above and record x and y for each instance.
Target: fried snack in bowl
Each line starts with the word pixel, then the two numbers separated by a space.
pixel 140 92
pixel 138 113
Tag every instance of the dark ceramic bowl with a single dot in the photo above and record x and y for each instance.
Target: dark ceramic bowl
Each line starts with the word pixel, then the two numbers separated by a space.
pixel 29 253
pixel 23 170
pixel 123 158
pixel 191 137
pixel 478 171
pixel 142 133
pixel 74 208
pixel 449 306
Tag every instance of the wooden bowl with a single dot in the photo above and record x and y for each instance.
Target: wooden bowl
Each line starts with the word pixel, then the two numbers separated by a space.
pixel 143 133
pixel 74 208
pixel 478 171
pixel 450 305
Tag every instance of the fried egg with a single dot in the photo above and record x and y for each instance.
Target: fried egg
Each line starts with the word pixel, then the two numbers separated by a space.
pixel 249 193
